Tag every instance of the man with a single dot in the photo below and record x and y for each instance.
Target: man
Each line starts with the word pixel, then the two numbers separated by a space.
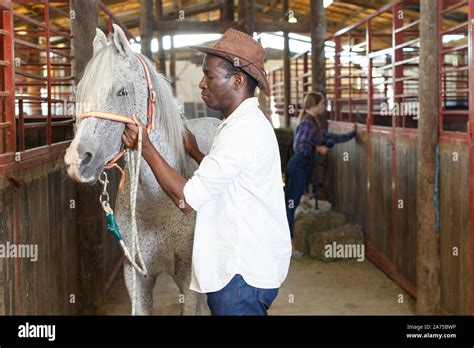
pixel 242 246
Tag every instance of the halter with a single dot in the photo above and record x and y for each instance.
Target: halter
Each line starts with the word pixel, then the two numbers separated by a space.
pixel 127 120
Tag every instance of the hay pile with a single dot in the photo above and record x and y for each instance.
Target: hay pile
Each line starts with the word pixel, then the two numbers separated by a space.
pixel 340 243
pixel 307 224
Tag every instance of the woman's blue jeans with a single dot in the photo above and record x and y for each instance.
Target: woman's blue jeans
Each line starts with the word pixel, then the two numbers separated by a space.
pixel 297 172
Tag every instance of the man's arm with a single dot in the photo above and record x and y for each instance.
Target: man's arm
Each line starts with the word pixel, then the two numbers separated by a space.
pixel 217 170
pixel 192 147
pixel 170 181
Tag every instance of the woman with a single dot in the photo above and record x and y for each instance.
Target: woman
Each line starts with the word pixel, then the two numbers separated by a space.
pixel 310 141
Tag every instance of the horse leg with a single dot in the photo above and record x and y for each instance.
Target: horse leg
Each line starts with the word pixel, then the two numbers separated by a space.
pixel 143 290
pixel 194 303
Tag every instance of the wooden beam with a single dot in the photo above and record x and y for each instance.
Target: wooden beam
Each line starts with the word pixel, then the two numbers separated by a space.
pixel 286 70
pixel 172 53
pixel 83 26
pixel 427 250
pixel 250 17
pixel 90 231
pixel 181 27
pixel 318 37
pixel 161 51
pixel 228 10
pixel 146 27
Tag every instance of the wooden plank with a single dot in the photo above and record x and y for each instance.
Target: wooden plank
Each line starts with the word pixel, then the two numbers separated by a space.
pixel 70 244
pixel 454 206
pixel 348 179
pixel 406 217
pixel 3 260
pixel 9 264
pixel 381 194
pixel 27 267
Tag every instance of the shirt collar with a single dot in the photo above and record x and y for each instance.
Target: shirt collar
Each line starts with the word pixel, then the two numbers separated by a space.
pixel 249 102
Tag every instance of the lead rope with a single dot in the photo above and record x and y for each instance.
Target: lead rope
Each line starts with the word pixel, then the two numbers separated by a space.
pixel 133 158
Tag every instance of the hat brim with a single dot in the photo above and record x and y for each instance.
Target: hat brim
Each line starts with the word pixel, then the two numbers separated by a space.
pixel 250 68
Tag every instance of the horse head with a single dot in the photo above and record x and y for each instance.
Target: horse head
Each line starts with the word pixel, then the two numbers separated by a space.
pixel 114 81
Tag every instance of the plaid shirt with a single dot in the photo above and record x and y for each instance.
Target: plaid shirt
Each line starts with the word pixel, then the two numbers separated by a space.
pixel 306 139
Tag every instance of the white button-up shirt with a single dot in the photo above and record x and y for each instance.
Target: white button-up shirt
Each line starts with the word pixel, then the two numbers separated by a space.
pixel 237 191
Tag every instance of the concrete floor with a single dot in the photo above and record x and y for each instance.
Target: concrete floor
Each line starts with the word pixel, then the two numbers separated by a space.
pixel 312 288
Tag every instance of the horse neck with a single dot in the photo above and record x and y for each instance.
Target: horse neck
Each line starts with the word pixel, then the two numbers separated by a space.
pixel 161 144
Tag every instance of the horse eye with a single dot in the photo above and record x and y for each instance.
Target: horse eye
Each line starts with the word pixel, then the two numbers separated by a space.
pixel 122 92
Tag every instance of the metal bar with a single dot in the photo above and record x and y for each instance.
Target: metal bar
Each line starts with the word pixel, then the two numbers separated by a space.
pixel 408 26
pixel 58 11
pixel 5 4
pixel 21 124
pixel 105 9
pixel 30 45
pixel 397 72
pixel 350 78
pixel 337 78
pixel 453 7
pixel 9 80
pixel 364 20
pixel 440 64
pixel 470 133
pixel 454 49
pixel 33 157
pixel 49 129
pixel 28 19
pixel 407 43
pixel 455 29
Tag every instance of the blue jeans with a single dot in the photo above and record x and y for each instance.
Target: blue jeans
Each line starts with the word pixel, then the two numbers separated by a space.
pixel 297 172
pixel 240 298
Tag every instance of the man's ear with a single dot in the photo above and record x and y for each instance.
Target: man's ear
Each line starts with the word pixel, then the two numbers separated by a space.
pixel 239 81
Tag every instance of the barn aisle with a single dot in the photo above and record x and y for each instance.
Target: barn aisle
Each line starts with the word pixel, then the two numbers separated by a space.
pixel 312 288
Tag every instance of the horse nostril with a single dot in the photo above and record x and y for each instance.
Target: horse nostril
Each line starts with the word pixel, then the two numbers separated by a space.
pixel 87 158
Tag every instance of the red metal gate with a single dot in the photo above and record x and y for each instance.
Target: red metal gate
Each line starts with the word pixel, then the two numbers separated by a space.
pixel 366 79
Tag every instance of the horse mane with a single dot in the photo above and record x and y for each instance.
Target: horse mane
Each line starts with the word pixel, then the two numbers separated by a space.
pixel 167 114
pixel 96 83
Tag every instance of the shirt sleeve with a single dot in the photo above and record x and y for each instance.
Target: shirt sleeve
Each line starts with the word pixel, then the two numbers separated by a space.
pixel 305 139
pixel 341 138
pixel 224 163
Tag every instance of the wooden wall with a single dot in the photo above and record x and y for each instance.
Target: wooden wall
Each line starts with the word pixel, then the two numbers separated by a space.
pixel 454 205
pixel 390 230
pixel 44 209
pixel 40 209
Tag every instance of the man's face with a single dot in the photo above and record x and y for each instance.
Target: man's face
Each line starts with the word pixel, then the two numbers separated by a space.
pixel 217 87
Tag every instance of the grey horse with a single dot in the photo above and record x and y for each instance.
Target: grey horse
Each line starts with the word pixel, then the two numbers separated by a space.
pixel 114 81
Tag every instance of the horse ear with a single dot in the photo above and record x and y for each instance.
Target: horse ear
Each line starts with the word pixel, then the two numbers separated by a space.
pixel 100 41
pixel 120 40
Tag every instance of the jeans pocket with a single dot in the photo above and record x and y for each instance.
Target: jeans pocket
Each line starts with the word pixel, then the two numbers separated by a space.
pixel 267 296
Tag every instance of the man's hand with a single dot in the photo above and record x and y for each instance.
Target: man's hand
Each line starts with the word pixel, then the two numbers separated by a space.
pixel 191 146
pixel 322 150
pixel 130 135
